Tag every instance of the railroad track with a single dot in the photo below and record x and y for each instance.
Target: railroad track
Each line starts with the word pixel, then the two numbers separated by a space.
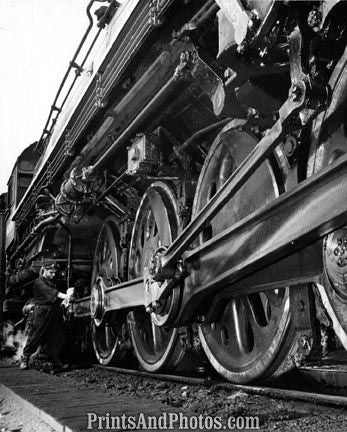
pixel 311 372
pixel 114 390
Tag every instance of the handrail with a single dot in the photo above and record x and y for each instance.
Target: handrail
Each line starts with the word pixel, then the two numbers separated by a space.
pixel 72 65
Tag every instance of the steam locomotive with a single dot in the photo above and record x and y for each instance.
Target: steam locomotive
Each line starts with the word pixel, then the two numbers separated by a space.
pixel 191 180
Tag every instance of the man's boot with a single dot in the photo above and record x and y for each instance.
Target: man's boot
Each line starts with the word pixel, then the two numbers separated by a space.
pixel 24 364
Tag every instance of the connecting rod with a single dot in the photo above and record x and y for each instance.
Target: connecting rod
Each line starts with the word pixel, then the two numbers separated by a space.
pixel 234 183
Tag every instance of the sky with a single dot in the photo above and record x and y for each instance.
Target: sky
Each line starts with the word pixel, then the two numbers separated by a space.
pixel 38 38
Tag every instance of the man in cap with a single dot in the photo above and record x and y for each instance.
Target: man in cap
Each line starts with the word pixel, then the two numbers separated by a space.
pixel 47 321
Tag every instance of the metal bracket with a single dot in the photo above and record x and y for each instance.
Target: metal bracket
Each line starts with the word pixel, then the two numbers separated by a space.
pixel 187 61
pixel 55 108
pixel 67 143
pixel 49 172
pixel 78 68
pixel 99 93
pixel 155 10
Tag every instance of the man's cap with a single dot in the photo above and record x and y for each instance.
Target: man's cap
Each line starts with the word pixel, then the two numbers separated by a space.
pixel 50 265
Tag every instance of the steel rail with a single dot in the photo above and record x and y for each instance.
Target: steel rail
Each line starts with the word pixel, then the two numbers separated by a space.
pixel 276 393
pixel 160 376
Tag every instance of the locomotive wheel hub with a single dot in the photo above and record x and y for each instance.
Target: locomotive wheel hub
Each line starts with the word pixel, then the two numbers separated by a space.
pixel 155 262
pixel 335 256
pixel 164 311
pixel 97 301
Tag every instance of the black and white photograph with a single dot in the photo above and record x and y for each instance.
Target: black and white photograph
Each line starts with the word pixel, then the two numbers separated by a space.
pixel 173 215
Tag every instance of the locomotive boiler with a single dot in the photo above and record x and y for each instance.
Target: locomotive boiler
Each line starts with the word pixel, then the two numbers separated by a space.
pixel 191 179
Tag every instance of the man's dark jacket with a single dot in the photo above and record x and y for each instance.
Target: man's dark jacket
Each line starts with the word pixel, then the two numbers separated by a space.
pixel 45 292
pixel 46 323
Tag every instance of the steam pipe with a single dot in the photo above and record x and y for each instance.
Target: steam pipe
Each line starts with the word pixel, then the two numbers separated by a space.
pixel 48 221
pixel 182 148
pixel 129 131
pixel 102 195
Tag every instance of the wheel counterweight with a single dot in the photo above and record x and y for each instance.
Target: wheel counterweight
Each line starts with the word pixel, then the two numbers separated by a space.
pixel 254 335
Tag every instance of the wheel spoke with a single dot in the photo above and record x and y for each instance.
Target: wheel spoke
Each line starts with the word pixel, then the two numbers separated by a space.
pixel 273 297
pixel 104 246
pixel 109 336
pixel 155 225
pixel 259 331
pixel 148 226
pixel 105 342
pixel 111 253
pixel 106 328
pixel 161 218
pixel 239 321
pixel 157 337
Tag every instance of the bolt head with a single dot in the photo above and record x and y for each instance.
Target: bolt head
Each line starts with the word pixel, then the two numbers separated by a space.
pixel 295 92
pixel 156 305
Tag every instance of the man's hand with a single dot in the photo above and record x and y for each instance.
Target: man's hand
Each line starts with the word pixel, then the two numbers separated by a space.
pixel 69 296
pixel 70 293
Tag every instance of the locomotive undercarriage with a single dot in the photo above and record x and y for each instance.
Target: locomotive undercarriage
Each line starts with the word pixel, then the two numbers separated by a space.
pixel 226 212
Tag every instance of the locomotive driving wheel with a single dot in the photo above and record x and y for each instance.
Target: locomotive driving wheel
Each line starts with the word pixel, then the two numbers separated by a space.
pixel 156 225
pixel 329 142
pixel 254 335
pixel 108 329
